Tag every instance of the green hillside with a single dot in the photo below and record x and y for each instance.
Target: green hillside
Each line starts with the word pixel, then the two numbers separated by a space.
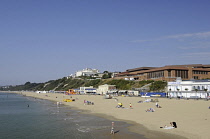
pixel 64 84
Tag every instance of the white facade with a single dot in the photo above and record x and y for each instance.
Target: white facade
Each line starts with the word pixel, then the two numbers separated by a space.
pixel 131 92
pixel 87 72
pixel 131 79
pixel 87 90
pixel 189 89
pixel 41 92
pixel 103 89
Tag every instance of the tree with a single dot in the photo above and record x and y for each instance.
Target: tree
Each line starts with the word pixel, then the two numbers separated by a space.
pixel 105 76
pixel 27 83
pixel 106 71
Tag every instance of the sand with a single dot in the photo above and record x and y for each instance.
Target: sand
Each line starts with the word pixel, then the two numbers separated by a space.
pixel 192 116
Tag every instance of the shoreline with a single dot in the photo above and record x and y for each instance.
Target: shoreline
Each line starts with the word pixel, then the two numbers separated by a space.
pixel 143 123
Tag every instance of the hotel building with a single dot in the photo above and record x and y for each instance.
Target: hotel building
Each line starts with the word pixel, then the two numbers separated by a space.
pixel 167 73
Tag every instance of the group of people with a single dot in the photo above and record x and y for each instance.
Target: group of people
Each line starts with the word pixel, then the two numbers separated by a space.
pixel 150 110
pixel 88 102
pixel 120 105
pixel 59 103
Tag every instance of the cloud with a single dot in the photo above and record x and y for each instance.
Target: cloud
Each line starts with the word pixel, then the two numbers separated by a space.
pixel 194 47
pixel 198 54
pixel 194 35
pixel 200 35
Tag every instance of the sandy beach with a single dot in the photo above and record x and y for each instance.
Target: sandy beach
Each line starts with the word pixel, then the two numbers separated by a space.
pixel 192 116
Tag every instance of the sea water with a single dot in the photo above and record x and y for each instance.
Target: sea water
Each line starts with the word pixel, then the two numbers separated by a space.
pixel 26 117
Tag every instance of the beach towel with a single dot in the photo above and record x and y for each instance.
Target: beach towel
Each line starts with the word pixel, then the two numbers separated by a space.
pixel 170 127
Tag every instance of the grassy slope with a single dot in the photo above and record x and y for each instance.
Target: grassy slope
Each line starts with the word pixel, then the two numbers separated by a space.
pixel 65 84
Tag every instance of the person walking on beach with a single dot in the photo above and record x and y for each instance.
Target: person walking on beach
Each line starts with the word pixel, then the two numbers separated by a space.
pixel 112 129
pixel 130 106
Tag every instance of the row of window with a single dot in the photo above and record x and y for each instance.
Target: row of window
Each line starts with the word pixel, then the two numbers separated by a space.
pixel 198 87
pixel 157 74
pixel 178 73
pixel 181 73
pixel 200 72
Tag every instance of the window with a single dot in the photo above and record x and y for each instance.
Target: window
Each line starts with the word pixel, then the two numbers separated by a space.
pixel 181 73
pixel 200 72
pixel 156 74
pixel 169 73
pixel 195 77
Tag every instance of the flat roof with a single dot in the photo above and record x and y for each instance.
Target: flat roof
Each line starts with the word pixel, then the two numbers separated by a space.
pixel 141 68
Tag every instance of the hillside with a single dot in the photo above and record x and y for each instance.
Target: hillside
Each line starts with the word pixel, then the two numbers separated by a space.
pixel 72 83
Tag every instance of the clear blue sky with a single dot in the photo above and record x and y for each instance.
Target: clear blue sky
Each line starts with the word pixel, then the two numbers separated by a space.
pixel 42 40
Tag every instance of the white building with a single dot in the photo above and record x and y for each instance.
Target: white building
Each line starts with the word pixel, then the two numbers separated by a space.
pixel 41 92
pixel 87 90
pixel 189 89
pixel 87 72
pixel 103 89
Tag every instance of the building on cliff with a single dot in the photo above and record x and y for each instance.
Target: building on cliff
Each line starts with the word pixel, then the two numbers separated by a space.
pixel 167 73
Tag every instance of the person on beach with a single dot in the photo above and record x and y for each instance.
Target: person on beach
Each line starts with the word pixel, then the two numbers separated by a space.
pixel 112 129
pixel 58 103
pixel 172 125
pixel 150 110
pixel 119 105
pixel 156 104
pixel 130 106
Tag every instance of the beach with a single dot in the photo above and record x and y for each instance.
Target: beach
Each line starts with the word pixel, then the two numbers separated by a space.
pixel 192 116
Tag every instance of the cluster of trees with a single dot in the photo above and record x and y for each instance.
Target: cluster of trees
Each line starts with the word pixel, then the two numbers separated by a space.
pixel 26 86
pixel 158 85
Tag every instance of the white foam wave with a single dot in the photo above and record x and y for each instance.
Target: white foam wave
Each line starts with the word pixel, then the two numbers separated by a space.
pixel 84 129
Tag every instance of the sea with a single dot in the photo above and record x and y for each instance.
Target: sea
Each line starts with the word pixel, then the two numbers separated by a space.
pixel 24 117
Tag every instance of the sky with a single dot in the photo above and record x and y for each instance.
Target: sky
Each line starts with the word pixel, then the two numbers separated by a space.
pixel 42 40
